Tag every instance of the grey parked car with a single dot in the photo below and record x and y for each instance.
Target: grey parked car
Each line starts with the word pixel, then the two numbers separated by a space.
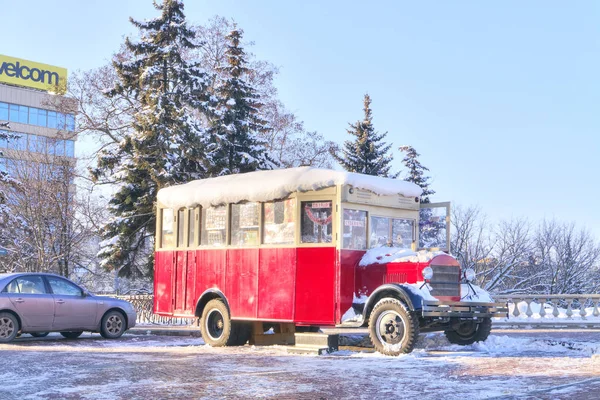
pixel 38 303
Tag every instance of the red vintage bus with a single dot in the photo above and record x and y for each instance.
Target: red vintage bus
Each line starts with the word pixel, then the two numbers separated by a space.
pixel 307 247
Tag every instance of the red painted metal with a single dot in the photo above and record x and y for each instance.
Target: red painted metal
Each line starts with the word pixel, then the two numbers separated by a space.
pixel 180 281
pixel 241 283
pixel 163 282
pixel 276 277
pixel 315 286
pixel 348 266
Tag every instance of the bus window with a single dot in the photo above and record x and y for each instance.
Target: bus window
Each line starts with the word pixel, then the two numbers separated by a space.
pixel 380 232
pixel 316 222
pixel 167 235
pixel 180 228
pixel 403 233
pixel 355 230
pixel 191 227
pixel 279 225
pixel 214 226
pixel 244 224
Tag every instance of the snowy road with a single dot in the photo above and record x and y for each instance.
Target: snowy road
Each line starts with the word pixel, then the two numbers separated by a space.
pixel 512 364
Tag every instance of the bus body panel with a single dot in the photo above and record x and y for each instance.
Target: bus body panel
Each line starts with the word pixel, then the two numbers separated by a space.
pixel 277 278
pixel 163 282
pixel 241 284
pixel 348 271
pixel 315 286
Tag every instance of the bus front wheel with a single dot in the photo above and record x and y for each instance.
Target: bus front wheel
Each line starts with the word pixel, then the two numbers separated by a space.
pixel 217 328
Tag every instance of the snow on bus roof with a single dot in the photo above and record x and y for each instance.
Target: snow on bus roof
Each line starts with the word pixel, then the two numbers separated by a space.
pixel 275 184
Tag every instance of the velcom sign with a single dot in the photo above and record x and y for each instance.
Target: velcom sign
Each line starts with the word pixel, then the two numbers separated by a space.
pixel 31 74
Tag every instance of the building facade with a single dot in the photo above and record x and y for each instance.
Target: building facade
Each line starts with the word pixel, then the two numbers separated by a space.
pixel 41 121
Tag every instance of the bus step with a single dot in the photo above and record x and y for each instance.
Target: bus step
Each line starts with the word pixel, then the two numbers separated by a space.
pixel 314 341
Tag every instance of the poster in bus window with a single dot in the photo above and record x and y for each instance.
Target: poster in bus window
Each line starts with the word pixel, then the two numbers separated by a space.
pixel 269 213
pixel 249 215
pixel 216 218
pixel 316 222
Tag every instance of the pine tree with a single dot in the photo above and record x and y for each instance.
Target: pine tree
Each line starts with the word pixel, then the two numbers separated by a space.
pixel 236 122
pixel 416 172
pixel 165 145
pixel 432 231
pixel 367 153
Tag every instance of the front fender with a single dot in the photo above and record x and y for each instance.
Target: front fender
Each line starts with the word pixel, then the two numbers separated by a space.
pixel 403 292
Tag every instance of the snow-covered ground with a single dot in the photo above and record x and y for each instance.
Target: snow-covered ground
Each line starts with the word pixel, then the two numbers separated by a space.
pixel 518 364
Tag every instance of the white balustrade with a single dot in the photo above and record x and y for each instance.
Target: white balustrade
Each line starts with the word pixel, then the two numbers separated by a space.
pixel 566 309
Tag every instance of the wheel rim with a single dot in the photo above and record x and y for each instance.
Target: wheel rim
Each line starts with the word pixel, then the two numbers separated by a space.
pixel 7 327
pixel 215 324
pixel 114 324
pixel 390 327
pixel 467 329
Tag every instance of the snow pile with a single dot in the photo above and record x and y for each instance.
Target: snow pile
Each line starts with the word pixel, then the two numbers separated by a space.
pixel 475 294
pixel 384 255
pixel 276 184
pixel 497 344
pixel 420 289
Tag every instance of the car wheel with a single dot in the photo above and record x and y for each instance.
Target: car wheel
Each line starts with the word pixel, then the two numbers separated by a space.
pixel 393 329
pixel 71 335
pixel 469 332
pixel 217 328
pixel 9 327
pixel 39 334
pixel 113 325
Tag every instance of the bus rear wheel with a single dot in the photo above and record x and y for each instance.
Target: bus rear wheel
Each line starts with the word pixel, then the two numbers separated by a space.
pixel 217 328
pixel 469 332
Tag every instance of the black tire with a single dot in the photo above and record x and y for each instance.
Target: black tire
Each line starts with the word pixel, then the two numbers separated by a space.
pixel 470 332
pixel 71 335
pixel 217 328
pixel 9 327
pixel 39 334
pixel 113 325
pixel 393 329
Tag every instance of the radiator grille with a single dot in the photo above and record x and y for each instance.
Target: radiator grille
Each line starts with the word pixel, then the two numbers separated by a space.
pixel 445 281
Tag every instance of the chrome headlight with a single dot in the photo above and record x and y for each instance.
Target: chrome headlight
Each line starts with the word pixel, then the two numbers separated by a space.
pixel 469 274
pixel 427 273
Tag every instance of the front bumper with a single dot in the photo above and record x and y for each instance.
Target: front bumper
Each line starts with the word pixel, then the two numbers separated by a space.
pixel 131 319
pixel 464 309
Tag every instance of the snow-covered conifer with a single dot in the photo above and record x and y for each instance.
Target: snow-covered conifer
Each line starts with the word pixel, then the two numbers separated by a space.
pixel 166 144
pixel 236 123
pixel 416 172
pixel 366 153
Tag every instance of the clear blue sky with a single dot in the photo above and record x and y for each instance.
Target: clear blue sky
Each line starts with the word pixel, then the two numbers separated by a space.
pixel 501 100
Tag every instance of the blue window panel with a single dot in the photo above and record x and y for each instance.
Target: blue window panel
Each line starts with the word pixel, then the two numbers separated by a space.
pixel 23 114
pixel 33 115
pixel 70 122
pixel 13 113
pixel 61 121
pixel 32 146
pixel 3 111
pixel 3 165
pixel 3 139
pixel 59 148
pixel 19 143
pixel 52 123
pixel 42 117
pixel 70 148
pixel 41 144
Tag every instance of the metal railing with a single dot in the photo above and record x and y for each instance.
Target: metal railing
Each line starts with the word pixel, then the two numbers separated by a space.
pixel 144 303
pixel 533 310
